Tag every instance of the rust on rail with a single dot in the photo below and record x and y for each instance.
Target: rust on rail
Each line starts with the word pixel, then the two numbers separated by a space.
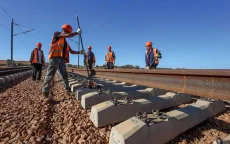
pixel 206 83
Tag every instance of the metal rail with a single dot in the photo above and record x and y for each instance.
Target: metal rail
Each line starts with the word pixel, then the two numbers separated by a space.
pixel 8 71
pixel 12 68
pixel 205 83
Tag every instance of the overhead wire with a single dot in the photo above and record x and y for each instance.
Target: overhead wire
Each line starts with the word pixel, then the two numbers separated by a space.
pixel 73 40
pixel 9 30
pixel 15 22
pixel 5 27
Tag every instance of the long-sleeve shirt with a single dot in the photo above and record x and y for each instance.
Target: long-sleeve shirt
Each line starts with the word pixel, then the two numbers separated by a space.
pixel 149 58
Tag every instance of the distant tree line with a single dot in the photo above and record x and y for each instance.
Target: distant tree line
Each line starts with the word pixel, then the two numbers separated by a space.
pixel 15 63
pixel 105 67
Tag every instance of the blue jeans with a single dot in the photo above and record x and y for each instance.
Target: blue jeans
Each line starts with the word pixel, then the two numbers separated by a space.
pixel 54 65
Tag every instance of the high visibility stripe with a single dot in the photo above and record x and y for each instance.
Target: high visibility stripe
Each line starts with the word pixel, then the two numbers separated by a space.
pixel 57 50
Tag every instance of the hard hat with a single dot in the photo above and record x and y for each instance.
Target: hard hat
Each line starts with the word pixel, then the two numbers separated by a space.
pixel 67 27
pixel 89 47
pixel 39 44
pixel 109 47
pixel 149 43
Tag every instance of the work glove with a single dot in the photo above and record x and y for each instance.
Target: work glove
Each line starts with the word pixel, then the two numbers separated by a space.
pixel 79 31
pixel 82 51
pixel 114 62
pixel 147 67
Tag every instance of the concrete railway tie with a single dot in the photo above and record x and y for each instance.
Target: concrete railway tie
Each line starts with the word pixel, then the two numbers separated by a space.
pixel 111 112
pixel 93 98
pixel 12 77
pixel 164 128
pixel 137 113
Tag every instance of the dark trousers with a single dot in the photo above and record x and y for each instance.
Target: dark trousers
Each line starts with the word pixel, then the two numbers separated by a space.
pixel 110 65
pixel 153 67
pixel 90 65
pixel 37 71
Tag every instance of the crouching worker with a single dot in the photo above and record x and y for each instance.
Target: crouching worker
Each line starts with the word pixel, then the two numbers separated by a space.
pixel 37 61
pixel 58 56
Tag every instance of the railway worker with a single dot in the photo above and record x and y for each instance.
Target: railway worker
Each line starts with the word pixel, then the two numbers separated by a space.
pixel 152 56
pixel 110 58
pixel 58 56
pixel 90 59
pixel 37 60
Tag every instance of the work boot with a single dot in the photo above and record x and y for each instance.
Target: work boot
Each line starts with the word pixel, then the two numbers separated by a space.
pixel 45 96
pixel 69 92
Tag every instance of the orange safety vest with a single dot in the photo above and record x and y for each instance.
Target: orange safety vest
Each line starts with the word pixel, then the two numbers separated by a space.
pixel 109 57
pixel 35 58
pixel 57 50
pixel 155 56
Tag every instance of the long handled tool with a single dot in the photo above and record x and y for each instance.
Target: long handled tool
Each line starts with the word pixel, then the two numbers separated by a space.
pixel 90 83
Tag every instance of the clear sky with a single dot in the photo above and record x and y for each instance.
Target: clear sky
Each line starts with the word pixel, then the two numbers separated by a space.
pixel 189 33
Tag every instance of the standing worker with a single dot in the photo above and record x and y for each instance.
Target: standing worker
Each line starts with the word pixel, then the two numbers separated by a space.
pixel 151 56
pixel 110 58
pixel 90 59
pixel 58 56
pixel 37 61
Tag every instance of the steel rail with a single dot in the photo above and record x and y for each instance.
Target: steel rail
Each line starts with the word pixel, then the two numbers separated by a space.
pixel 14 68
pixel 205 83
pixel 13 71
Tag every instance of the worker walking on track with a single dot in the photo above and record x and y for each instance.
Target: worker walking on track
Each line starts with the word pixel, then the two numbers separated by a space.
pixel 58 56
pixel 90 59
pixel 151 56
pixel 37 61
pixel 110 58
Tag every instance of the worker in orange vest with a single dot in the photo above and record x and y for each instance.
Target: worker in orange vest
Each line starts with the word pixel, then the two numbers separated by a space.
pixel 152 56
pixel 110 58
pixel 58 57
pixel 37 61
pixel 90 59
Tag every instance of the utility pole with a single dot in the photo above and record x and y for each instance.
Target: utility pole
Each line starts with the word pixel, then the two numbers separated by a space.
pixel 12 39
pixel 12 31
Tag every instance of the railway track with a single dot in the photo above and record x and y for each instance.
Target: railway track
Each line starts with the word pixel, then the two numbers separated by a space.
pixel 119 109
pixel 10 74
pixel 136 110
pixel 8 71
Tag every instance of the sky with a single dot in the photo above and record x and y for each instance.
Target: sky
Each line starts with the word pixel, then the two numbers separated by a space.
pixel 192 34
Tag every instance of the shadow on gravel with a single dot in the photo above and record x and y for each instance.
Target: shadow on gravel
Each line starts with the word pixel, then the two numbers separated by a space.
pixel 48 128
pixel 47 139
pixel 197 132
pixel 4 87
